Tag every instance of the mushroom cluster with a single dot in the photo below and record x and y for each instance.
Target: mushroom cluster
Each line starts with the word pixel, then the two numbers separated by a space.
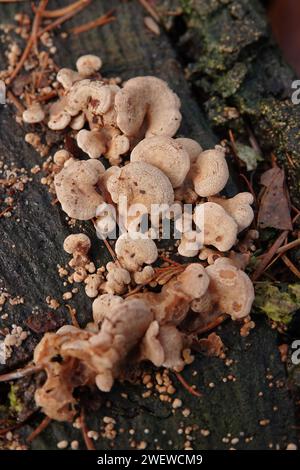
pixel 134 126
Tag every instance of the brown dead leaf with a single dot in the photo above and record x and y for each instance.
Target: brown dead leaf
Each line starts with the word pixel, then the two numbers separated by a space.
pixel 274 209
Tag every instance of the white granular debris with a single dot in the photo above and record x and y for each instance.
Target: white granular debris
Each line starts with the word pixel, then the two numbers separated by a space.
pixel 235 440
pixel 93 435
pixel 186 412
pixel 62 444
pixel 205 432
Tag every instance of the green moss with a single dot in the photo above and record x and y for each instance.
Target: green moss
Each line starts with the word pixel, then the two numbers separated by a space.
pixel 278 304
pixel 15 403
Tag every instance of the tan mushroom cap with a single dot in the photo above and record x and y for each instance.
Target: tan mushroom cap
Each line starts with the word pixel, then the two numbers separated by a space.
pixel 61 156
pixel 91 142
pixel 76 188
pixel 141 183
pixel 92 93
pixel 165 153
pixel 193 281
pixel 188 246
pixel 162 345
pixel 134 253
pixel 231 289
pixel 77 242
pixel 210 172
pixel 67 77
pixel 239 207
pixel 34 114
pixel 103 305
pixel 59 118
pixel 219 228
pixel 88 64
pixel 147 98
pixel 191 146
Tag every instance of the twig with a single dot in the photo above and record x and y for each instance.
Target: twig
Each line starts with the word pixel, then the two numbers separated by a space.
pixel 13 1
pixel 19 373
pixel 40 428
pixel 84 429
pixel 61 11
pixel 188 387
pixel 63 18
pixel 150 9
pixel 291 266
pixel 213 324
pixel 101 21
pixel 288 246
pixel 269 256
pixel 32 40
pixel 15 101
pixel 72 312
pixel 168 260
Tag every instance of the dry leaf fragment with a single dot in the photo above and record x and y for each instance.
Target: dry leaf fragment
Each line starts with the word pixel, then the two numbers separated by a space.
pixel 274 210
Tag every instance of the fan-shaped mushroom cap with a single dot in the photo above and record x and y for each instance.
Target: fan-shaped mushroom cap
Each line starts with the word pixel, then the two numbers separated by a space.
pixel 103 305
pixel 91 142
pixel 220 229
pixel 59 118
pixel 147 98
pixel 191 146
pixel 230 288
pixel 238 207
pixel 162 345
pixel 133 253
pixel 88 64
pixel 210 172
pixel 94 94
pixel 76 188
pixel 142 184
pixel 77 242
pixel 165 153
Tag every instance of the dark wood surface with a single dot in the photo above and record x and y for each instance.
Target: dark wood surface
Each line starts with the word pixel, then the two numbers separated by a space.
pixel 31 249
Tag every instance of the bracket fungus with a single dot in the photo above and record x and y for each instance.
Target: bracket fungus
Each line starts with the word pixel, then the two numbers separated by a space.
pixel 76 187
pixel 147 99
pixel 88 64
pixel 165 153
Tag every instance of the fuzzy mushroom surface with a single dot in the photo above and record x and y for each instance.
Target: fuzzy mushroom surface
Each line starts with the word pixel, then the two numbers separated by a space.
pixel 210 172
pixel 165 153
pixel 134 253
pixel 147 99
pixel 77 190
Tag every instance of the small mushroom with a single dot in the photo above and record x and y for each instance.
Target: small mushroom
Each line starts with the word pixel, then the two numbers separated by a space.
pixel 134 253
pixel 230 288
pixel 91 142
pixel 67 78
pixel 61 156
pixel 34 114
pixel 76 188
pixel 165 153
pixel 239 207
pixel 77 242
pixel 144 276
pixel 118 145
pixel 218 228
pixel 88 64
pixel 117 279
pixel 189 246
pixel 78 122
pixel 103 304
pixel 210 172
pixel 142 185
pixel 93 282
pixel 162 345
pixel 147 99
pixel 59 118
